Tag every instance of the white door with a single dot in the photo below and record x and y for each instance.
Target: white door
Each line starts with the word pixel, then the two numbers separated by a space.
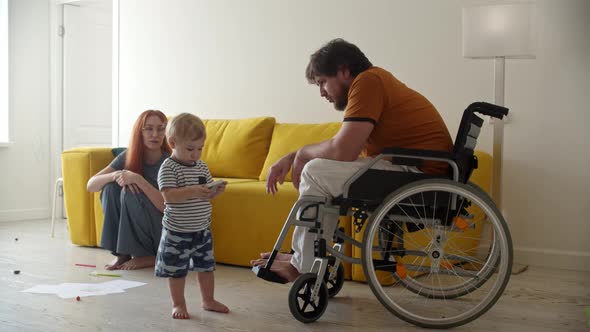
pixel 87 73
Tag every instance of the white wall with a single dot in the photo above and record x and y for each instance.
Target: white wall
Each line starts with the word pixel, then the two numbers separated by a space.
pixel 24 165
pixel 236 59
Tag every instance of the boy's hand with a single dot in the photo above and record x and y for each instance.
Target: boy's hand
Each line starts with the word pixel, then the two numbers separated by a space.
pixel 219 189
pixel 201 191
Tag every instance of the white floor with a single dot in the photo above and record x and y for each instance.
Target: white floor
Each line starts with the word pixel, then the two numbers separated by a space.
pixel 535 300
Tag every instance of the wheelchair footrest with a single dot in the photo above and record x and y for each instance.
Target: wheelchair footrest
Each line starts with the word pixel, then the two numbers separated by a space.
pixel 268 275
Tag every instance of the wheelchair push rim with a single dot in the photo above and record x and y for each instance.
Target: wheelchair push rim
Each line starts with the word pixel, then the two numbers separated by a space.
pixel 438 292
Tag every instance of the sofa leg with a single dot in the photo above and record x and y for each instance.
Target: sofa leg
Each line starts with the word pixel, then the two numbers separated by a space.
pixel 58 185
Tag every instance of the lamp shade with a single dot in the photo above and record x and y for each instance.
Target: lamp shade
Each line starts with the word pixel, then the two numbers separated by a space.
pixel 499 31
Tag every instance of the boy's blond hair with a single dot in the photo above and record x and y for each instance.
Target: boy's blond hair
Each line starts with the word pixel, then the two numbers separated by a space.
pixel 185 127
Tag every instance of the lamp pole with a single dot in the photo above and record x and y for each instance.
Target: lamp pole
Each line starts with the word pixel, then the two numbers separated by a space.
pixel 498 135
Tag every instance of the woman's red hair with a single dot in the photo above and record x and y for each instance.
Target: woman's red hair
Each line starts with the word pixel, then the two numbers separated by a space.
pixel 135 150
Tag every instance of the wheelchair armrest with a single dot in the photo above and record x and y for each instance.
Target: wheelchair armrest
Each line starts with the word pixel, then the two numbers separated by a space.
pixel 399 155
pixel 406 154
pixel 415 157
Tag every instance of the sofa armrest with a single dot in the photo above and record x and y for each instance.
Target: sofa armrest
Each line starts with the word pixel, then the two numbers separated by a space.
pixel 78 165
pixel 482 176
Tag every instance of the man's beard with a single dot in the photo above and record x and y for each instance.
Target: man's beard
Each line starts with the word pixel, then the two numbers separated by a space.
pixel 341 103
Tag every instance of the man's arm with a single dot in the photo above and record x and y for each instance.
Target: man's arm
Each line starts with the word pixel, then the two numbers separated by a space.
pixel 346 145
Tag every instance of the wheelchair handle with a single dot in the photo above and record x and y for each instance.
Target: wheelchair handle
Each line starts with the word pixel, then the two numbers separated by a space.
pixel 488 109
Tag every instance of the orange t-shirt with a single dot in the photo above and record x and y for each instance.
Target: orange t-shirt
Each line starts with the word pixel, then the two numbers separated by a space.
pixel 402 117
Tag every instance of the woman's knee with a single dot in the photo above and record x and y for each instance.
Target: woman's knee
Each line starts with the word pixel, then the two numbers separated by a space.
pixel 135 200
pixel 129 198
pixel 110 190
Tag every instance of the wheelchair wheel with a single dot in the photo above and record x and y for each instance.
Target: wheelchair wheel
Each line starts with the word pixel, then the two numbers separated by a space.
pixel 334 285
pixel 454 246
pixel 301 304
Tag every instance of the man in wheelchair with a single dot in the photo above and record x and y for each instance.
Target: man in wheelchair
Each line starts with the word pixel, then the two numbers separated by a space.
pixel 379 112
pixel 436 251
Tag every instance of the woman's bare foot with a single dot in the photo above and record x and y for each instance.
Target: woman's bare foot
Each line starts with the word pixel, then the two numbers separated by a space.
pixel 136 263
pixel 116 263
pixel 180 312
pixel 215 306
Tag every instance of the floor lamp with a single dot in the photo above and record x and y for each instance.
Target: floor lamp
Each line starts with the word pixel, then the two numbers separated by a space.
pixel 498 32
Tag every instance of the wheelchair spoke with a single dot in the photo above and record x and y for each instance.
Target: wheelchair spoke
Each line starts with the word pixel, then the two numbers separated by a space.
pixel 397 236
pixel 424 230
pixel 418 213
pixel 457 275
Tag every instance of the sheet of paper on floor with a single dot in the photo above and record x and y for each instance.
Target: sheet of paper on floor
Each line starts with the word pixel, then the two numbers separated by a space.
pixel 71 290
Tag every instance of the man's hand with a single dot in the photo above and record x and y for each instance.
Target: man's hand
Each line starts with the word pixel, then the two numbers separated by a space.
pixel 277 173
pixel 298 164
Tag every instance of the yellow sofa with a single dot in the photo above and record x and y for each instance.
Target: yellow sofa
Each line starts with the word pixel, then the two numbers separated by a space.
pixel 245 220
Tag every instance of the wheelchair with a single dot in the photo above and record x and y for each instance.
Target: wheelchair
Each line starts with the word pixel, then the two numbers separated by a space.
pixel 435 250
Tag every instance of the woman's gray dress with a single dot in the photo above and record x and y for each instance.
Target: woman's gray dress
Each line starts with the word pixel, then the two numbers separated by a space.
pixel 132 224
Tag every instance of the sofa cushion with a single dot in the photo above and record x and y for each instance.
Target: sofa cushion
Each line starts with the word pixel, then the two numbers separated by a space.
pixel 237 148
pixel 289 137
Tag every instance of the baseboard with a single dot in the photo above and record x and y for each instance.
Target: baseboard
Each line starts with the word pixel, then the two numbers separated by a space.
pixel 557 259
pixel 24 214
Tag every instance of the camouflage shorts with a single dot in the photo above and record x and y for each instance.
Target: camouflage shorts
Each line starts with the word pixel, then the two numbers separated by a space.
pixel 179 253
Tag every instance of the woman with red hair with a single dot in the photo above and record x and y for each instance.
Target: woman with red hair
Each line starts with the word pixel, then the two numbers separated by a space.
pixel 130 199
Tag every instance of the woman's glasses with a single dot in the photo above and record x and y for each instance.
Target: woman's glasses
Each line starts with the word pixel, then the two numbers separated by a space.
pixel 151 130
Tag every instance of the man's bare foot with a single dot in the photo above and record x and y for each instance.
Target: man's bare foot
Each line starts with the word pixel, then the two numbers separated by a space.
pixel 285 270
pixel 282 268
pixel 116 263
pixel 136 263
pixel 280 256
pixel 215 306
pixel 266 255
pixel 180 312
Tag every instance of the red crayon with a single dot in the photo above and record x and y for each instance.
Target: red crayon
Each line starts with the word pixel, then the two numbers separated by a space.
pixel 86 265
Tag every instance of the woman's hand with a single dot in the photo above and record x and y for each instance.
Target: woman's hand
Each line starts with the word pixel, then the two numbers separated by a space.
pixel 277 173
pixel 128 180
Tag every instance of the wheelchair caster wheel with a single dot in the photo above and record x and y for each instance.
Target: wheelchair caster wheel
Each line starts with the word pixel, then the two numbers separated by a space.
pixel 302 306
pixel 335 285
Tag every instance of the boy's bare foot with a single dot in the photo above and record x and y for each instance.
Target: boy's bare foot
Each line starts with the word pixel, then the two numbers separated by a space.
pixel 116 263
pixel 180 312
pixel 136 263
pixel 215 306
